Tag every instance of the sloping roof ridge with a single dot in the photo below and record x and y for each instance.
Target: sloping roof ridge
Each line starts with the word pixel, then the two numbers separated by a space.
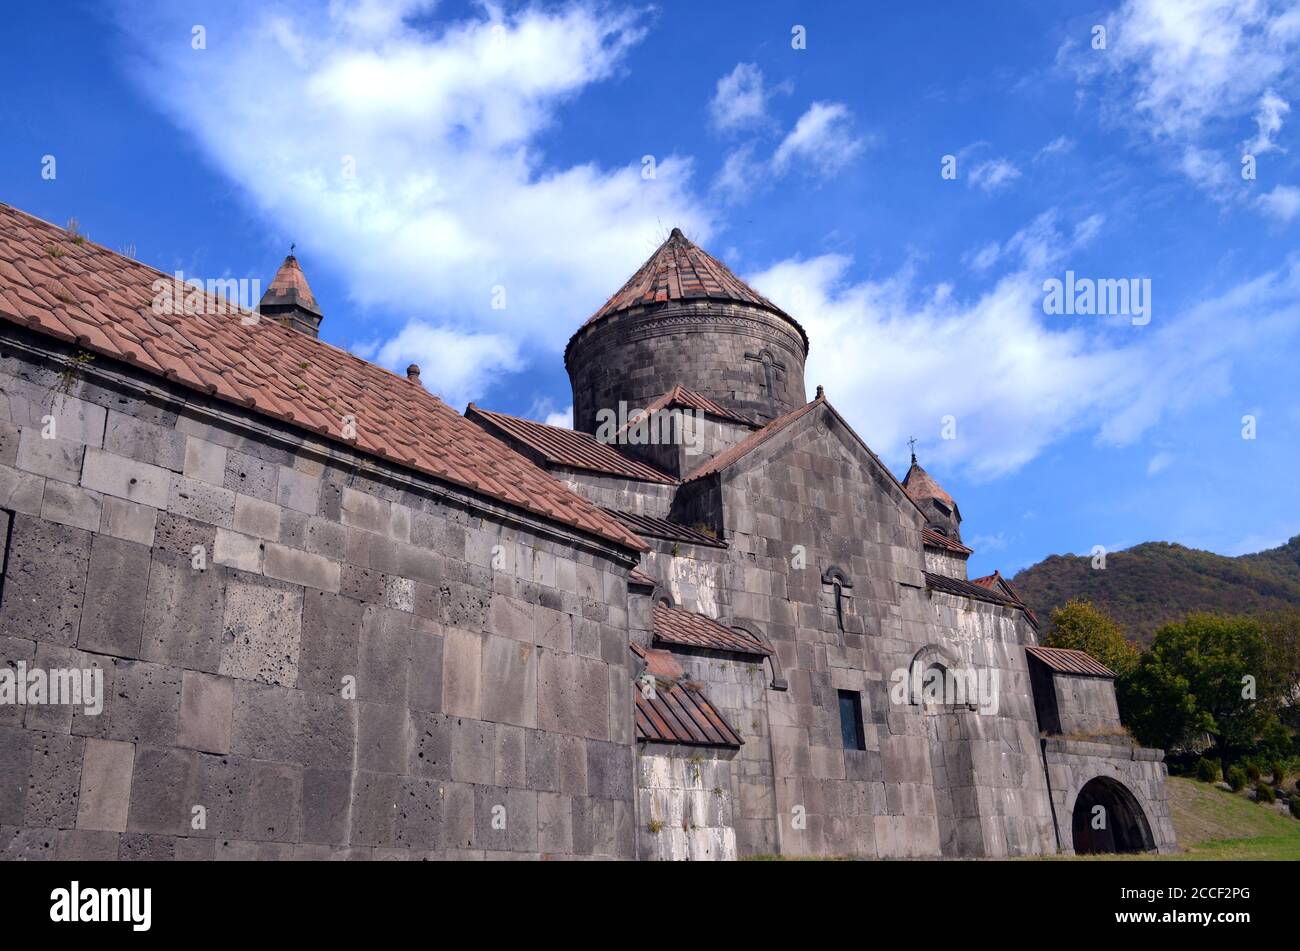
pixel 681 395
pixel 751 442
pixel 1070 660
pixel 213 355
pixel 502 421
pixel 734 454
pixel 233 308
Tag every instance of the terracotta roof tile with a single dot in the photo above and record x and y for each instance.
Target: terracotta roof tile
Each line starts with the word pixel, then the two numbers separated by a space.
pixel 935 540
pixel 289 288
pixel 675 711
pixel 695 630
pixel 680 270
pixel 1066 660
pixel 637 576
pixel 680 396
pixel 566 447
pixel 394 418
pixel 919 484
pixel 975 591
pixel 751 442
pixel 997 582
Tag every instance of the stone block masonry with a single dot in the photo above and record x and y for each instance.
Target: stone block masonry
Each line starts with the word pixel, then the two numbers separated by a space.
pixel 300 659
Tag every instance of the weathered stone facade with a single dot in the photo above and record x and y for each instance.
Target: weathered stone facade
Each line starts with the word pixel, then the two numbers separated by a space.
pixel 313 651
pixel 487 653
pixel 747 358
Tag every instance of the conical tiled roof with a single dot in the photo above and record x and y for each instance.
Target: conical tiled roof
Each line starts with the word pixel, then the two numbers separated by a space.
pixel 289 288
pixel 919 484
pixel 681 270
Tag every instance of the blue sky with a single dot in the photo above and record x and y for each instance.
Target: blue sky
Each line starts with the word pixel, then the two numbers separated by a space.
pixel 423 155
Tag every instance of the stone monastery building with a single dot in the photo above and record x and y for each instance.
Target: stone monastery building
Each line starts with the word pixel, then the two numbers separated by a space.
pixel 334 618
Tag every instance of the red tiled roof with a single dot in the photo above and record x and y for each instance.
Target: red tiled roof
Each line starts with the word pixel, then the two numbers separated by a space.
pixel 996 582
pixel 566 447
pixel 637 576
pixel 966 589
pixel 84 294
pixel 681 396
pixel 976 591
pixel 289 286
pixel 676 711
pixel 663 528
pixel 751 442
pixel 680 270
pixel 695 630
pixel 658 663
pixel 1066 660
pixel 683 715
pixel 919 484
pixel 933 538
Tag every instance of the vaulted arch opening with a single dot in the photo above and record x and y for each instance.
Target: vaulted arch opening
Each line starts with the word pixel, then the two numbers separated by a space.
pixel 1108 818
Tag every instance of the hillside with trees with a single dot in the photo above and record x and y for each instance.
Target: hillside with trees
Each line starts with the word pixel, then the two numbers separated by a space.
pixel 1150 585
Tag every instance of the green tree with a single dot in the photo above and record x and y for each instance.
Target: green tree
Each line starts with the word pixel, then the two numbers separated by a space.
pixel 1080 625
pixel 1282 628
pixel 1210 675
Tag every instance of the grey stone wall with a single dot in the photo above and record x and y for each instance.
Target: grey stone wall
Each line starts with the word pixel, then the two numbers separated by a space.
pixel 1073 763
pixel 639 355
pixel 362 663
pixel 809 500
pixel 1086 705
pixel 685 806
pixel 693 440
pixel 626 495
pixel 945 563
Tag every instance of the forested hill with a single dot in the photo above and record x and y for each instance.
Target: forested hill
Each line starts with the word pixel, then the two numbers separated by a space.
pixel 1153 583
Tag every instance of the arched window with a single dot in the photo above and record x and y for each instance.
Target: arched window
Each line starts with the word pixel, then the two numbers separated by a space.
pixel 840 585
pixel 935 682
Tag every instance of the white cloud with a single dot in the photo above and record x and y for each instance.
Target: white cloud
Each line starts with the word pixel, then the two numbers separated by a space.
pixel 1273 110
pixel 897 358
pixel 993 174
pixel 1282 203
pixel 458 364
pixel 1058 146
pixel 450 198
pixel 1159 462
pixel 741 175
pixel 821 140
pixel 740 100
pixel 1211 173
pixel 563 419
pixel 1176 71
pixel 1198 60
pixel 985 257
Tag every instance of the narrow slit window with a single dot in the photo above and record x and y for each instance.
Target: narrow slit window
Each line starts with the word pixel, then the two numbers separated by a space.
pixel 838 590
pixel 6 539
pixel 851 730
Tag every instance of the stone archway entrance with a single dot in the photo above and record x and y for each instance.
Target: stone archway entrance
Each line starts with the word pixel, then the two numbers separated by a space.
pixel 1108 818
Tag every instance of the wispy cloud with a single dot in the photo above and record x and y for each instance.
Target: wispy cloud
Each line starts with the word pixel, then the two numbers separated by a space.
pixel 1160 462
pixel 822 140
pixel 1174 73
pixel 1058 146
pixel 410 158
pixel 1273 109
pixel 993 174
pixel 1014 381
pixel 740 100
pixel 1281 204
